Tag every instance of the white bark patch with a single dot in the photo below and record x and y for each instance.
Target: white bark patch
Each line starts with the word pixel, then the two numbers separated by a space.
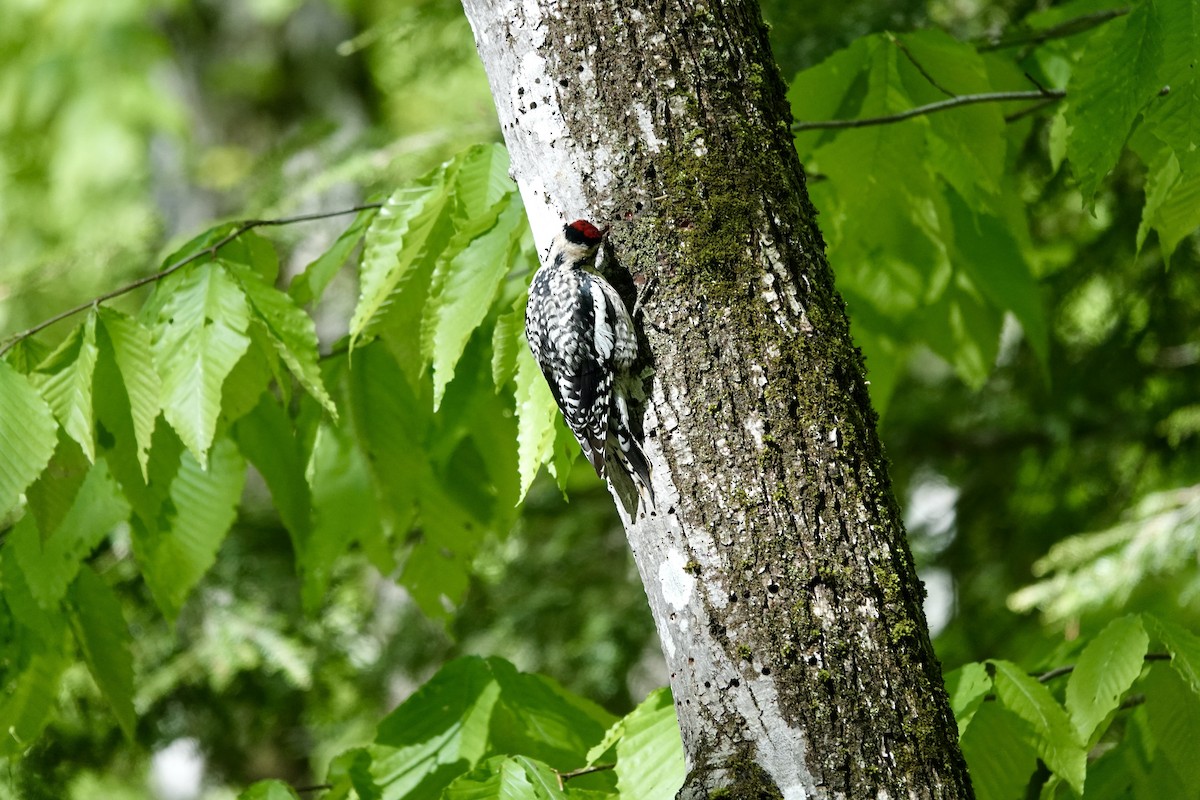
pixel 677 585
pixel 646 124
pixel 755 427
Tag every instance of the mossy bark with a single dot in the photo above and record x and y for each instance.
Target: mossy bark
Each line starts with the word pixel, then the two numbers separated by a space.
pixel 775 561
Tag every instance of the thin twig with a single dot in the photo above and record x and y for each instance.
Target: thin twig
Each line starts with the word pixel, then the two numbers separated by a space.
pixel 318 787
pixel 931 108
pixel 563 777
pixel 1058 672
pixel 211 251
pixel 921 69
pixel 1069 27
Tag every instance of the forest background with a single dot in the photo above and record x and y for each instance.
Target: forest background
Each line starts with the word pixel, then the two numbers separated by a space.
pixel 1035 371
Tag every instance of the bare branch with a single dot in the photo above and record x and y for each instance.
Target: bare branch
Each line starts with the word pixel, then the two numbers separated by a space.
pixel 1062 30
pixel 1049 95
pixel 211 252
pixel 1058 672
pixel 563 777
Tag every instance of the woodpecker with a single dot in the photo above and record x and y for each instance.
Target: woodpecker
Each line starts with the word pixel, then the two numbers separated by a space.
pixel 582 336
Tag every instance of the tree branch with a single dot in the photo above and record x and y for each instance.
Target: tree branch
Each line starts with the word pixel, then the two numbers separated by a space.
pixel 563 777
pixel 211 252
pixel 1058 672
pixel 1045 95
pixel 1062 30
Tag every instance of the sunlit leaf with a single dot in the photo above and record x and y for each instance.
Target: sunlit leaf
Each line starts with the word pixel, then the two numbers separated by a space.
pixel 967 687
pixel 27 430
pixel 1184 647
pixel 1055 739
pixel 464 287
pixel 291 331
pixel 199 337
pixel 269 790
pixel 507 337
pixel 1106 669
pixel 508 778
pixel 131 348
pixel 28 700
pixel 536 412
pixel 65 380
pixel 649 753
pixel 998 755
pixel 1173 711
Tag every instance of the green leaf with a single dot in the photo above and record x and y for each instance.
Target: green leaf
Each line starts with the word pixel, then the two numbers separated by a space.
pixel 1172 201
pixel 310 284
pixel 1054 737
pixel 1114 80
pixel 993 259
pixel 65 380
pixel 997 753
pixel 1184 647
pixel 28 700
pixel 395 240
pixel 465 285
pixel 51 563
pixel 199 337
pixel 51 496
pixel 203 507
pixel 269 790
pixel 291 331
pixel 131 348
pixel 1106 669
pixel 967 687
pixel 650 759
pixel 481 179
pixel 344 509
pixel 472 709
pixel 266 438
pixel 536 412
pixel 27 430
pixel 103 636
pixel 1173 711
pixel 508 336
pixel 507 778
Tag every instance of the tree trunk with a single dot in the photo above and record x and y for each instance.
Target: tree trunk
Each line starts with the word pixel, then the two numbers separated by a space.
pixel 775 562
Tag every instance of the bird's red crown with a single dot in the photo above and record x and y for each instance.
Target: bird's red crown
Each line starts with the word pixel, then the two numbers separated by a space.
pixel 583 232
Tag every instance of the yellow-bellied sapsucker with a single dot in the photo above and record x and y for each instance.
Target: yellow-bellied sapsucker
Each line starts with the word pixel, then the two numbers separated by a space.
pixel 582 336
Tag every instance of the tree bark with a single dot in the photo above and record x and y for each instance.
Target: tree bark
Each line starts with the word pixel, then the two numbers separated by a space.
pixel 775 561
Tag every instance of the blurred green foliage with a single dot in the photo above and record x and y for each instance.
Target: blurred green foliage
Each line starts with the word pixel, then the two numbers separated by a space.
pixel 1036 357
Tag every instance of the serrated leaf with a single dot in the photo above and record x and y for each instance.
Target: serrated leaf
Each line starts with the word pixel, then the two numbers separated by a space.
pixel 291 331
pixel 967 687
pixel 65 380
pixel 395 240
pixel 1106 669
pixel 481 179
pixel 199 338
pixel 103 636
pixel 311 283
pixel 1184 647
pixel 203 507
pixel 536 411
pixel 999 759
pixel 51 563
pixel 1055 739
pixel 269 790
pixel 464 287
pixel 132 352
pixel 507 339
pixel 1113 81
pixel 650 758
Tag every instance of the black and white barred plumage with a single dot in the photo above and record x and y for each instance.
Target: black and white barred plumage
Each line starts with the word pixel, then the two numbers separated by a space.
pixel 582 336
